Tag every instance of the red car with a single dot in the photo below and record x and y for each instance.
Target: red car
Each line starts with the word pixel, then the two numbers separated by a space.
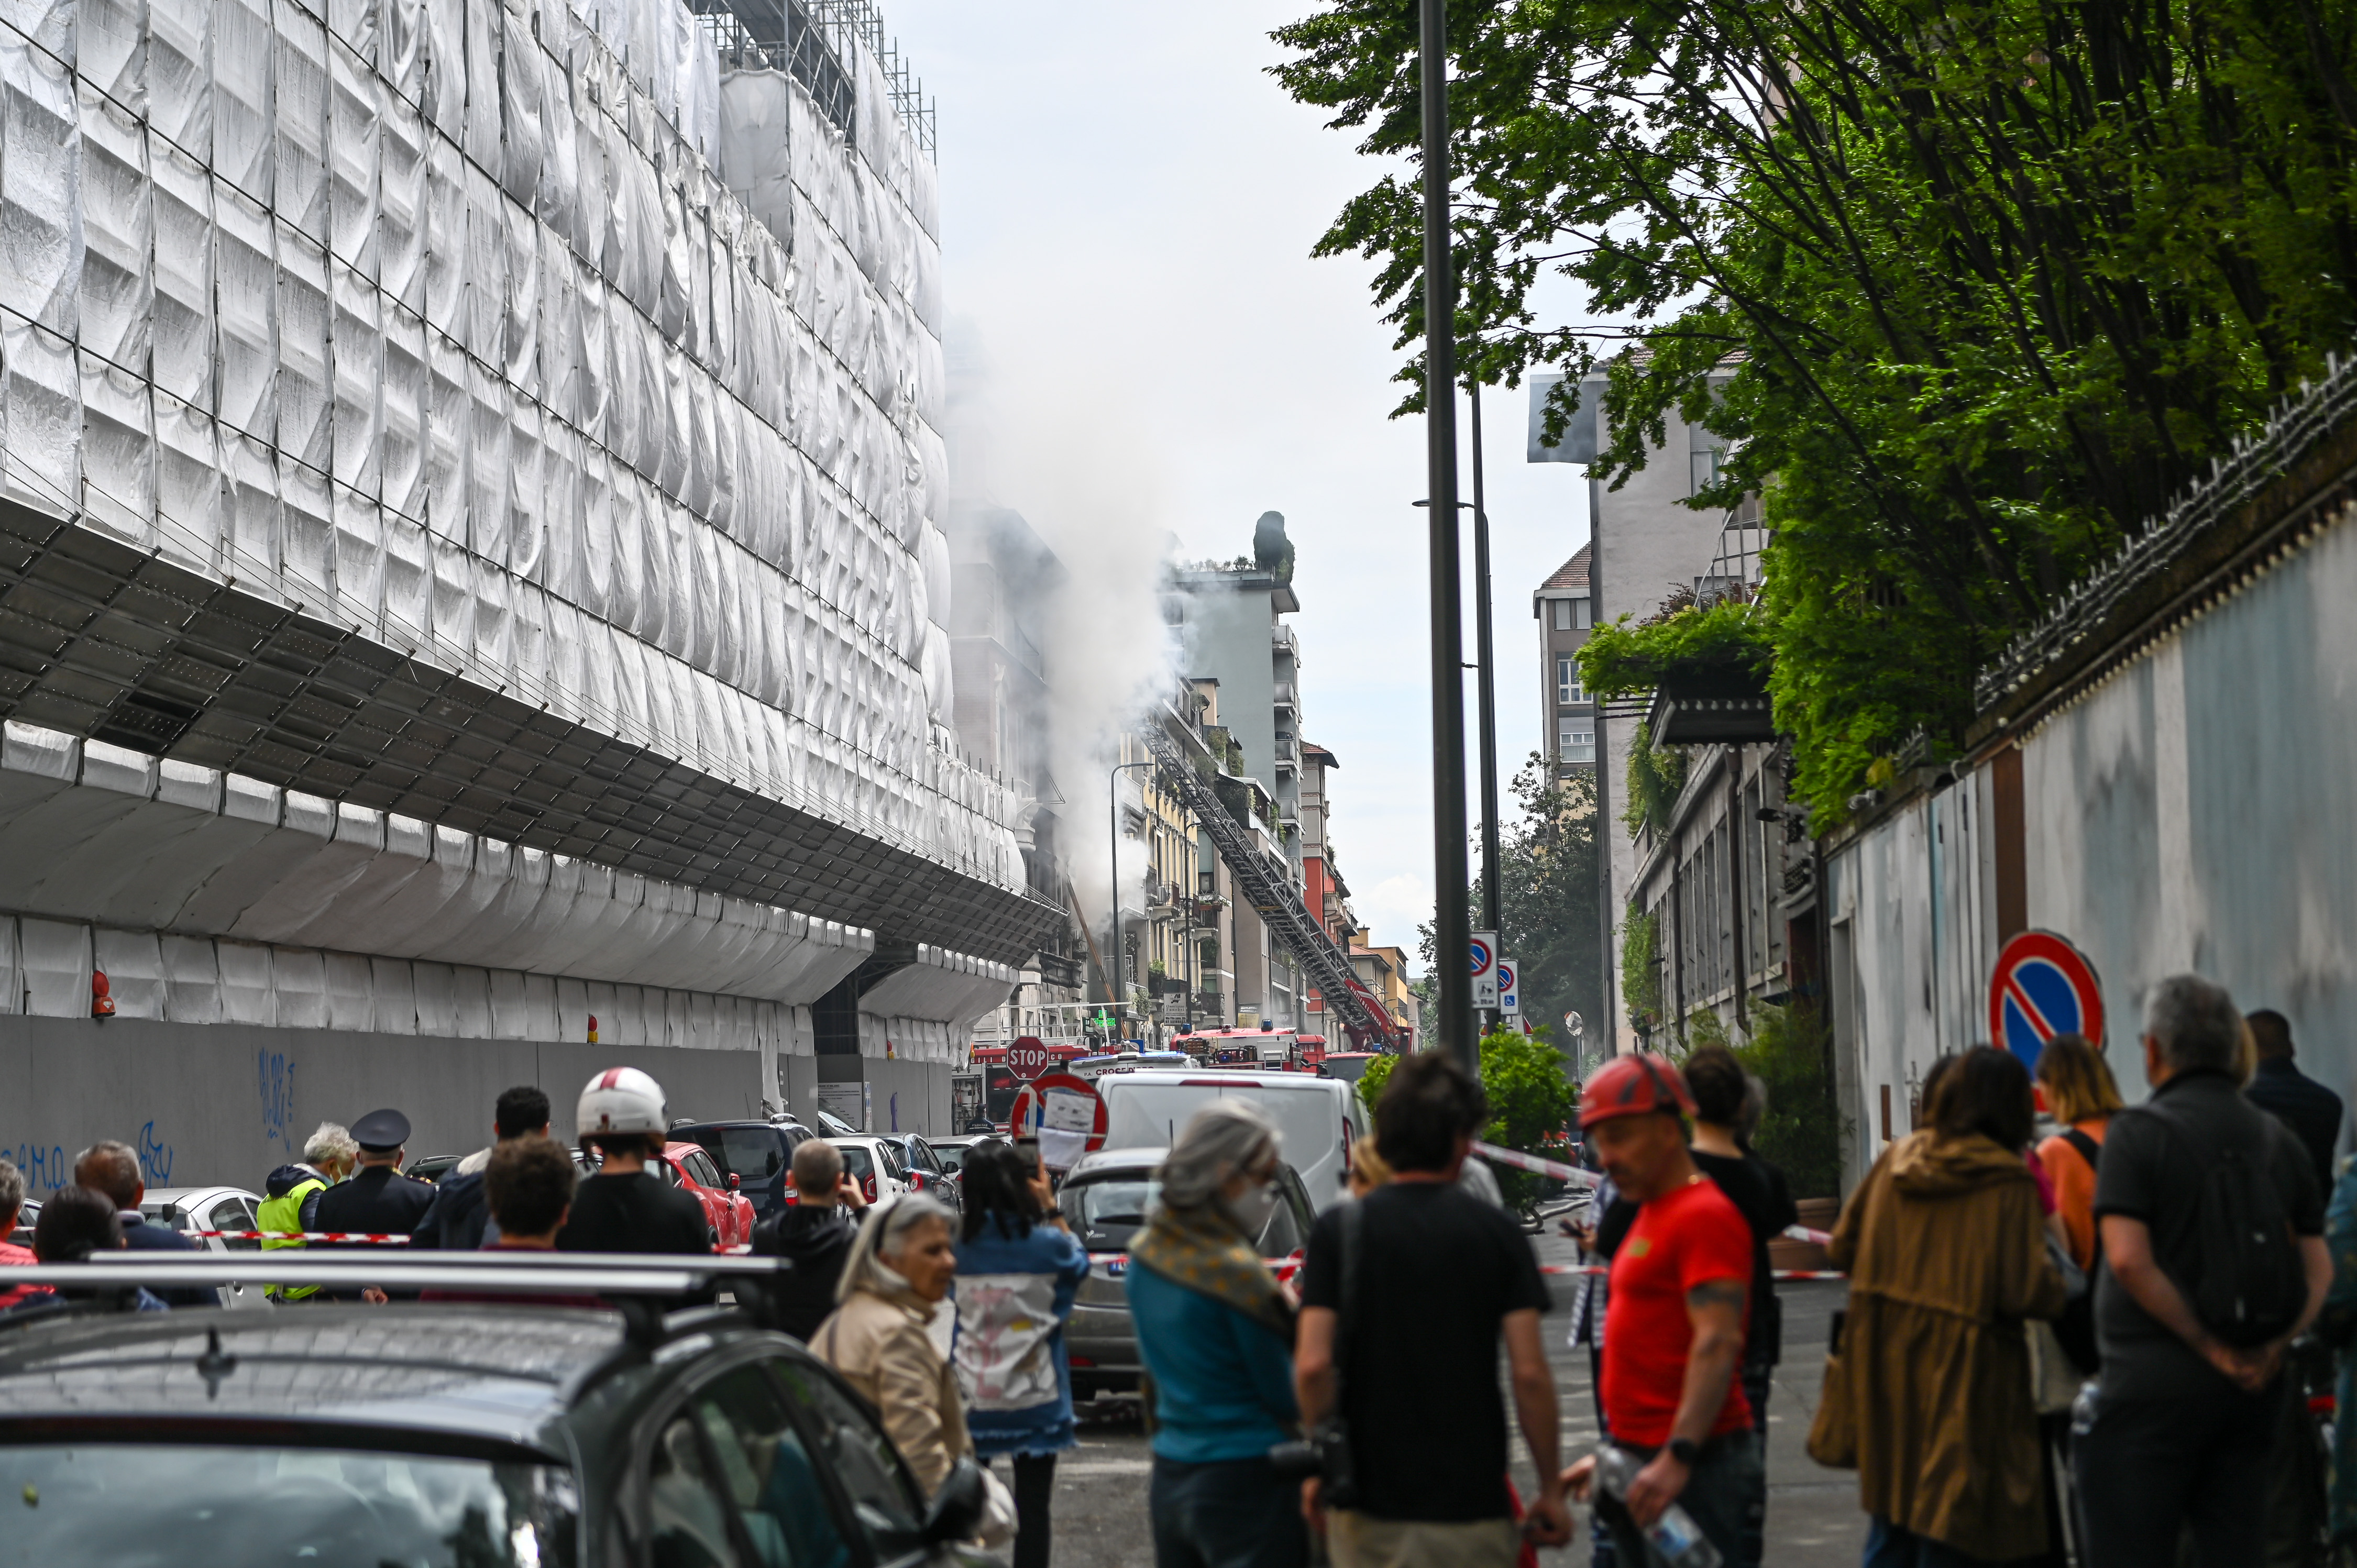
pixel 687 1167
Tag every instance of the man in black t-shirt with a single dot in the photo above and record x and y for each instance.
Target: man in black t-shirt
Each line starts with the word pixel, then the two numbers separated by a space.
pixel 1442 1277
pixel 2184 1425
pixel 626 1207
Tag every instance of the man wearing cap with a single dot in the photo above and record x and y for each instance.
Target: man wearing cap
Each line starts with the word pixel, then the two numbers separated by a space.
pixel 379 1198
pixel 1674 1321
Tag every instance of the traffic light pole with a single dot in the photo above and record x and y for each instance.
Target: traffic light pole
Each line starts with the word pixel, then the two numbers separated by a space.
pixel 1452 931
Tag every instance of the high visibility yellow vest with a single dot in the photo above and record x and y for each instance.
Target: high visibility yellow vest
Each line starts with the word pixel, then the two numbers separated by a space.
pixel 286 1214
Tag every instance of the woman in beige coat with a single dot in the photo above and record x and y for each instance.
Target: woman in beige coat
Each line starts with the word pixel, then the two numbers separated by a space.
pixel 1945 1243
pixel 897 1276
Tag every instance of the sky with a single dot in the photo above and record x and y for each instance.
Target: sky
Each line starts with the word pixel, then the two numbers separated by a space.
pixel 1129 202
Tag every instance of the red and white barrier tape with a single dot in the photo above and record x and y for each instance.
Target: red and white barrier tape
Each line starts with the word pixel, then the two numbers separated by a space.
pixel 1588 1179
pixel 1772 1273
pixel 375 1238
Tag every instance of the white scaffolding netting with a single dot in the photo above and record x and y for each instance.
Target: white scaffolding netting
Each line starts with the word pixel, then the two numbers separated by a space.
pixel 513 334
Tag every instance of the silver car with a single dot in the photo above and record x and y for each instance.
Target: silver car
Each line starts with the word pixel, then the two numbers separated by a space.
pixel 188 1208
pixel 1106 1200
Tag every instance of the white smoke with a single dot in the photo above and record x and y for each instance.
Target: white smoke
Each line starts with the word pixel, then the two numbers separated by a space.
pixel 1075 459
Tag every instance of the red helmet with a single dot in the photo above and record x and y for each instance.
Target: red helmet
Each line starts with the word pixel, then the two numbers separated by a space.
pixel 1634 1085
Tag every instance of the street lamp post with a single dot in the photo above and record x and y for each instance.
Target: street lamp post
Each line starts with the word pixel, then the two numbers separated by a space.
pixel 1452 931
pixel 1112 822
pixel 1487 689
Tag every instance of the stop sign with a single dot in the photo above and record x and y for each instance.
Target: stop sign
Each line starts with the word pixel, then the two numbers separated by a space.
pixel 1028 1058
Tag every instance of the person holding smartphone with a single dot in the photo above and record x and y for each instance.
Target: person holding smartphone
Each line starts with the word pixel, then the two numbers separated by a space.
pixel 816 1231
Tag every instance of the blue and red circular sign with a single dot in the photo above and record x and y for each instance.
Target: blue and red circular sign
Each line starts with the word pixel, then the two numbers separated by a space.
pixel 1482 957
pixel 2044 987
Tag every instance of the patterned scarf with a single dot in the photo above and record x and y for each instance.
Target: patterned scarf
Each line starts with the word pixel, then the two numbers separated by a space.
pixel 1202 1249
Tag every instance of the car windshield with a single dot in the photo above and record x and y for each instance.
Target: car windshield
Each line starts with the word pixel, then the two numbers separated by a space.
pixel 1152 1115
pixel 952 1155
pixel 225 1507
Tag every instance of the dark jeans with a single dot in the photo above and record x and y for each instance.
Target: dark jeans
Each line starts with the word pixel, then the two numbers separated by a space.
pixel 2148 1469
pixel 1727 1493
pixel 1887 1546
pixel 1604 1557
pixel 1035 1496
pixel 1757 1380
pixel 1234 1513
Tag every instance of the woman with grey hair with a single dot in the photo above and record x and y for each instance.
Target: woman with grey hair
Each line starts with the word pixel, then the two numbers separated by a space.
pixel 894 1279
pixel 1216 1332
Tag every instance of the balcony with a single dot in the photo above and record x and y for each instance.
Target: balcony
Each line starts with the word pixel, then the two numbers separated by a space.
pixel 1288 750
pixel 1285 696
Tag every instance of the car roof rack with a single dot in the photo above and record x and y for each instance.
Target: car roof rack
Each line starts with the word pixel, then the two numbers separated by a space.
pixel 638 1283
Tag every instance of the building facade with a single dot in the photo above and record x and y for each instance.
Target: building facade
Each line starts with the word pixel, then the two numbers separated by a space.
pixel 472 492
pixel 1567 715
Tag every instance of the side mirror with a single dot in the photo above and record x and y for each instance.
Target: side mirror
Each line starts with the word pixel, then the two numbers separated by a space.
pixel 957 1509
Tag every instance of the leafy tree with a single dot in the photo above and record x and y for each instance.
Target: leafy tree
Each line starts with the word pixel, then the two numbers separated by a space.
pixel 1972 287
pixel 1531 1099
pixel 1548 896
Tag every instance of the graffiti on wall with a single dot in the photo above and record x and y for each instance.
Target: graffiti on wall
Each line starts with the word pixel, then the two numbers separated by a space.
pixel 155 1158
pixel 274 1076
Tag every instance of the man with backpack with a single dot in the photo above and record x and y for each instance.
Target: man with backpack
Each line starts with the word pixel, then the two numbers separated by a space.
pixel 2214 1260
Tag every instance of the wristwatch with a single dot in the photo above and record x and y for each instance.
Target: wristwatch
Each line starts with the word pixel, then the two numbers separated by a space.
pixel 1685 1450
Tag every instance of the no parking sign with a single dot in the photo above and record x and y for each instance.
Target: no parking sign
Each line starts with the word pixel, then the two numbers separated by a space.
pixel 2044 987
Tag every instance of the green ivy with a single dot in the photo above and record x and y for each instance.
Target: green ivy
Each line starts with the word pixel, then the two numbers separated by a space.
pixel 1656 774
pixel 1640 974
pixel 1801 1132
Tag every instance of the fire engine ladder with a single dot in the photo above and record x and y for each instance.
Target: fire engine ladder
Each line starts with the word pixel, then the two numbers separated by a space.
pixel 1273 894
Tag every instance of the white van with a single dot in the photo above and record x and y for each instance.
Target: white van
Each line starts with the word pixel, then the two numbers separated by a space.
pixel 1319 1118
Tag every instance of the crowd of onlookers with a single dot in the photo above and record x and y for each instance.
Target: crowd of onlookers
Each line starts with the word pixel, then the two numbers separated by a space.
pixel 2088 1346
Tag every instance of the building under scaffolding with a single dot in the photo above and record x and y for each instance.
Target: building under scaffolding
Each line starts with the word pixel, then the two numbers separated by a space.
pixel 472 606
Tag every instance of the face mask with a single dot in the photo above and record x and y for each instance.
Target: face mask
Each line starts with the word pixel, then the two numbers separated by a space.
pixel 1250 1211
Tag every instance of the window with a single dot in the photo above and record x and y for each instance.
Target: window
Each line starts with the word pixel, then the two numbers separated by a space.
pixel 1583 614
pixel 1567 688
pixel 1562 614
pixel 781 1498
pixel 689 1520
pixel 1706 463
pixel 231 1214
pixel 882 1493
pixel 1575 741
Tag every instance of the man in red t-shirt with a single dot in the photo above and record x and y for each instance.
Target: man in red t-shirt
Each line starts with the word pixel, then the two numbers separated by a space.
pixel 1673 1324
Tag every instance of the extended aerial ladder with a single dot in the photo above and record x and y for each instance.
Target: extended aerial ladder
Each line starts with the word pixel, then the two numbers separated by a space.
pixel 1273 896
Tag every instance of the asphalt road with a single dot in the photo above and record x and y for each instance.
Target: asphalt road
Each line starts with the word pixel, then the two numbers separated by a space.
pixel 1813 1515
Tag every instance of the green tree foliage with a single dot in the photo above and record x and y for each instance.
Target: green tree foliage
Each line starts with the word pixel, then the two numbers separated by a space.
pixel 1531 1099
pixel 1655 775
pixel 1802 1131
pixel 1978 285
pixel 1623 658
pixel 1640 971
pixel 1548 896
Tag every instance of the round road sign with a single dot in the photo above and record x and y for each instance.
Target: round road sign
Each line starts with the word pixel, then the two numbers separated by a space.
pixel 1483 955
pixel 1029 1111
pixel 2044 987
pixel 1028 1056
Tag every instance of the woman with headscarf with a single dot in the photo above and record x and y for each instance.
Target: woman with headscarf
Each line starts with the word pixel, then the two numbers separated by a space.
pixel 1216 1332
pixel 894 1279
pixel 1018 1271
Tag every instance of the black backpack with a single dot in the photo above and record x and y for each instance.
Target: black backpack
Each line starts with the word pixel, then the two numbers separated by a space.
pixel 2075 1329
pixel 2251 1285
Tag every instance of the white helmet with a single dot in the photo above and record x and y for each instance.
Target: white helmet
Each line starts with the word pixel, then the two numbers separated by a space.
pixel 621 1100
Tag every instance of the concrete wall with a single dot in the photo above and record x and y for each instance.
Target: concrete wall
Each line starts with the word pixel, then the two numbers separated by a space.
pixel 2188 812
pixel 227 1102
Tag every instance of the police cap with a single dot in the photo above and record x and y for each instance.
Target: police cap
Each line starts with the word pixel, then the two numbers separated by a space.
pixel 381 1132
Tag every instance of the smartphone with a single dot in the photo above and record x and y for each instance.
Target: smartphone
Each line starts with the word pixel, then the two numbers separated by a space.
pixel 1028 1149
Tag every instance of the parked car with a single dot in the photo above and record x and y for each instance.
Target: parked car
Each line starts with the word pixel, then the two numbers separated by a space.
pixel 1348 1066
pixel 498 1436
pixel 185 1209
pixel 433 1167
pixel 758 1153
pixel 927 1172
pixel 1319 1118
pixel 877 1164
pixel 729 1210
pixel 1106 1200
pixel 952 1151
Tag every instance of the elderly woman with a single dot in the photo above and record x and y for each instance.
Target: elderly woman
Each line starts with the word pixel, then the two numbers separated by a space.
pixel 894 1279
pixel 1216 1332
